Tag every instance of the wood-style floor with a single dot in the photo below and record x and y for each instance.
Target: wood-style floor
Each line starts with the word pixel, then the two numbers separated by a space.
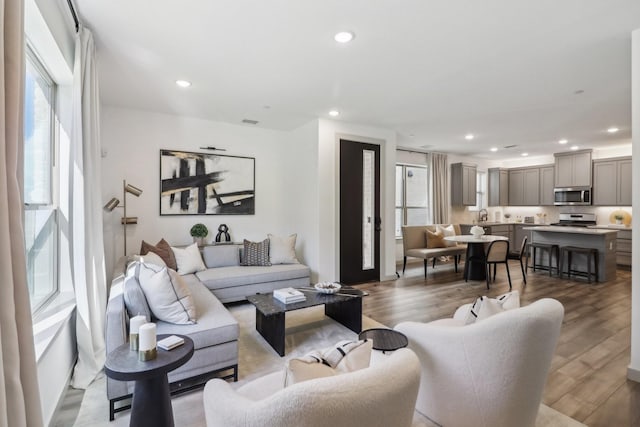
pixel 587 380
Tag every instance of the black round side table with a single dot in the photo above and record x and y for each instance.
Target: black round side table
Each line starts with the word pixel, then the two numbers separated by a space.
pixel 385 339
pixel 151 405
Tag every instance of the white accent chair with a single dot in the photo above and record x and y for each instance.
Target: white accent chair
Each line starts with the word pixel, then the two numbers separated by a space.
pixel 487 374
pixel 382 395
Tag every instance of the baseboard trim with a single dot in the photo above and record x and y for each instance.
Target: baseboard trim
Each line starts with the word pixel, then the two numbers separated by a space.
pixel 633 374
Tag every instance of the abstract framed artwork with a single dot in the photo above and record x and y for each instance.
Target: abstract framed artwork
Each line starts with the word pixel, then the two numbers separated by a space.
pixel 206 184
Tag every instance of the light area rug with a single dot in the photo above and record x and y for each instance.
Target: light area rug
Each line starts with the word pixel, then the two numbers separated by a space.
pixel 306 330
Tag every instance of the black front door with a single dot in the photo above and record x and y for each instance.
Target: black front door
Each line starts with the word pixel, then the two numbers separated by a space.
pixel 359 212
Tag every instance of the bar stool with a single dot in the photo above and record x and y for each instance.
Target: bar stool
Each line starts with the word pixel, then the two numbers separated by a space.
pixel 550 248
pixel 591 253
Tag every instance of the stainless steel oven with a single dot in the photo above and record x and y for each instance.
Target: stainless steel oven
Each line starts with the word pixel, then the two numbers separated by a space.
pixel 572 196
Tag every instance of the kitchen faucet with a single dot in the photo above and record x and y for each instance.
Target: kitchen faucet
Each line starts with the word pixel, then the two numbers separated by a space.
pixel 483 215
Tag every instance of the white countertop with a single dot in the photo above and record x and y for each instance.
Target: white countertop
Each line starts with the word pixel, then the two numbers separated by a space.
pixel 573 230
pixel 612 227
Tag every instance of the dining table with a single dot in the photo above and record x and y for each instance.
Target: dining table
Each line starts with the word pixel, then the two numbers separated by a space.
pixel 475 261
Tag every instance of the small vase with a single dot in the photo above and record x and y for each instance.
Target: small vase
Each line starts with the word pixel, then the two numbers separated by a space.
pixel 618 221
pixel 199 240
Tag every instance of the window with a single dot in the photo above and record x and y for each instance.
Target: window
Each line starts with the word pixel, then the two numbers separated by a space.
pixel 40 209
pixel 481 191
pixel 411 196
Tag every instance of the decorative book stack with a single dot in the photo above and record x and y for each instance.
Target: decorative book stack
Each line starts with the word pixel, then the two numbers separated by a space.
pixel 288 295
pixel 171 342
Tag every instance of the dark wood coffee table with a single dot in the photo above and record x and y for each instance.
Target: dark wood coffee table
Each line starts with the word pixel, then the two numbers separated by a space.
pixel 151 406
pixel 344 307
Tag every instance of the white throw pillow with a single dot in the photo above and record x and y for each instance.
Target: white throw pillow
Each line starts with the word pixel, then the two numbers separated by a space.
pixel 168 295
pixel 343 357
pixel 282 250
pixel 485 307
pixel 449 230
pixel 188 259
pixel 152 258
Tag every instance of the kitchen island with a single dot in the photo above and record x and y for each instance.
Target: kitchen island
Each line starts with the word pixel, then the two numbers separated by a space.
pixel 603 240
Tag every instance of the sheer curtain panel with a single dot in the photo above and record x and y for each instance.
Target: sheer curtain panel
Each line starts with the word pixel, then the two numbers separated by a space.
pixel 19 396
pixel 89 279
pixel 440 188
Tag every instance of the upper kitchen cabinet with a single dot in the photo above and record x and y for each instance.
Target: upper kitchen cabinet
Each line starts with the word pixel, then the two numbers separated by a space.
pixel 524 186
pixel 573 169
pixel 498 187
pixel 612 182
pixel 463 184
pixel 547 180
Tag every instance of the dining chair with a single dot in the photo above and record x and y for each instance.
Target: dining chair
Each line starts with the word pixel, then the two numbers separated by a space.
pixel 497 253
pixel 520 256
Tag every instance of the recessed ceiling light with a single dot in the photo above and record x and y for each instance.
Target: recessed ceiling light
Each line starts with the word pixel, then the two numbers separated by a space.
pixel 563 141
pixel 613 130
pixel 334 113
pixel 469 136
pixel 183 83
pixel 344 36
pixel 494 149
pixel 524 154
pixel 574 147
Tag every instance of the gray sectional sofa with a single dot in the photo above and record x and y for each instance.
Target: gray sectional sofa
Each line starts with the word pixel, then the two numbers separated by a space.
pixel 215 335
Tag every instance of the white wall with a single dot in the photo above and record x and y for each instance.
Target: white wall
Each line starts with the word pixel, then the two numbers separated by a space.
pixel 284 177
pixel 634 365
pixel 330 133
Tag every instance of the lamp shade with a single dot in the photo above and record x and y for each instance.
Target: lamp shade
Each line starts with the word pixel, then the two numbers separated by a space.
pixel 132 190
pixel 111 204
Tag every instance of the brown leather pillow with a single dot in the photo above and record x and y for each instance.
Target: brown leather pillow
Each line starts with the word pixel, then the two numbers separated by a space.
pixel 163 250
pixel 435 240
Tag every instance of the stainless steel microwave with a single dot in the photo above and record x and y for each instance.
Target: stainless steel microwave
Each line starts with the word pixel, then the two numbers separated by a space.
pixel 572 196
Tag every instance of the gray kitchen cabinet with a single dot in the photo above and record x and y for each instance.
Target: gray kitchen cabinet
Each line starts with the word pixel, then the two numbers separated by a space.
pixel 573 169
pixel 531 180
pixel 498 187
pixel 612 182
pixel 623 248
pixel 516 187
pixel 624 182
pixel 524 187
pixel 546 185
pixel 463 184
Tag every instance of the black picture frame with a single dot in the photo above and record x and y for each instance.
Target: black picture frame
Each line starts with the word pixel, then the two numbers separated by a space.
pixel 194 183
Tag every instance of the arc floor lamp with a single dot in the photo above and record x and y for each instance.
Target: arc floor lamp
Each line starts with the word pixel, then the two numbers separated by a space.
pixel 115 203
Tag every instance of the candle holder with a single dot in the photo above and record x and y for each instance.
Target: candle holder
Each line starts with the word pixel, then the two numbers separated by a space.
pixel 134 342
pixel 147 355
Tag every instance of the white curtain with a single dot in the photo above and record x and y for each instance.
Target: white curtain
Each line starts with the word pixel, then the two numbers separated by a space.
pixel 19 395
pixel 439 188
pixel 87 251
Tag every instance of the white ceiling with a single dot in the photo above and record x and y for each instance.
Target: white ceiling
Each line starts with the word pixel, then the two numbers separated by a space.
pixel 505 70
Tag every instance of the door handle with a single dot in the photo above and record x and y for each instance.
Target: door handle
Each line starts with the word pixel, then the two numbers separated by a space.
pixel 378 224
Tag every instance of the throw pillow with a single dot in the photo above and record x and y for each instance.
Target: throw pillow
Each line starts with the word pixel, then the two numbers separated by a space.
pixel 282 250
pixel 345 356
pixel 435 239
pixel 221 256
pixel 449 230
pixel 134 300
pixel 168 295
pixel 256 253
pixel 485 307
pixel 153 258
pixel 163 250
pixel 188 259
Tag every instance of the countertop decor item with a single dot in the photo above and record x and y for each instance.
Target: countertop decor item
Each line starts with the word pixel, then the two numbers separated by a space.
pixel 199 232
pixel 115 203
pixel 477 231
pixel 620 215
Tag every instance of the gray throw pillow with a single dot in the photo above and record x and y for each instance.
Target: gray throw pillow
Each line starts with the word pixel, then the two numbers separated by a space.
pixel 221 256
pixel 256 253
pixel 134 299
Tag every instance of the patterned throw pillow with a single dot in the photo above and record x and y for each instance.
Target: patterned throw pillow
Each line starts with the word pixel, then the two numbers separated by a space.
pixel 256 253
pixel 163 250
pixel 485 307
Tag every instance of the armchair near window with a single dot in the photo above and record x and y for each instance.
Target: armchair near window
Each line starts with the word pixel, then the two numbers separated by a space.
pixel 487 374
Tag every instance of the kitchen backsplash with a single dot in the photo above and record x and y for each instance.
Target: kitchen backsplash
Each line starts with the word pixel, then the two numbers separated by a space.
pixel 462 215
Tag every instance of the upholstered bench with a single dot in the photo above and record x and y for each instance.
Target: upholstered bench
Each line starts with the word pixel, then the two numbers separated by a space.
pixel 417 244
